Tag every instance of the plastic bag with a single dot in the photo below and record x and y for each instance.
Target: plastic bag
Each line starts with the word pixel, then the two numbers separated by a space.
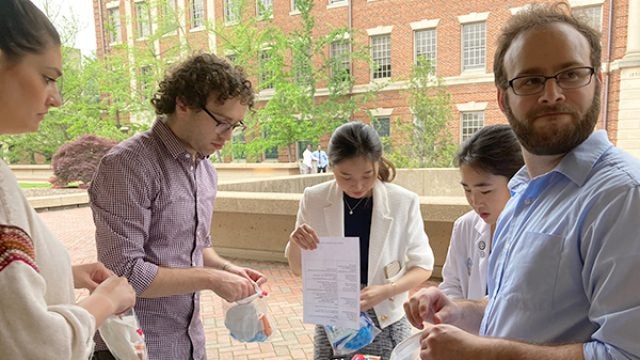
pixel 124 337
pixel 345 341
pixel 247 320
pixel 408 349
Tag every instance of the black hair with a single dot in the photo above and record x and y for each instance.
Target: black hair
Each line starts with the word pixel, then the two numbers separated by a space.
pixel 24 29
pixel 494 149
pixel 356 139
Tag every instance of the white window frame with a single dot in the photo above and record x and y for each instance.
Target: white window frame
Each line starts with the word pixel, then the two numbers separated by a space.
pixel 197 14
pixel 343 56
pixel 114 31
pixel 430 50
pixel 143 23
pixel 231 16
pixel 471 122
pixel 265 6
pixel 474 56
pixel 376 125
pixel 378 72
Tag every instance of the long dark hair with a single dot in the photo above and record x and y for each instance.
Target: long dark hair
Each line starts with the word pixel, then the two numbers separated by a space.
pixel 24 29
pixel 355 139
pixel 494 149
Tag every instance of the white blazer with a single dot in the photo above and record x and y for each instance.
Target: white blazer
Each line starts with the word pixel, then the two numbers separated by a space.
pixel 397 234
pixel 465 270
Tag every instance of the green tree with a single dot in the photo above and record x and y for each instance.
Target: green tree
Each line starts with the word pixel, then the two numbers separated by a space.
pixel 430 143
pixel 290 67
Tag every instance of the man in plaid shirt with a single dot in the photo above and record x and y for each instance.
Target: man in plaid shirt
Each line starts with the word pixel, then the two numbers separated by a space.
pixel 152 199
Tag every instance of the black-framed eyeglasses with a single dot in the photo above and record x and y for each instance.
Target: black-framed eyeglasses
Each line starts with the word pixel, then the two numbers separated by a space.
pixel 573 78
pixel 223 126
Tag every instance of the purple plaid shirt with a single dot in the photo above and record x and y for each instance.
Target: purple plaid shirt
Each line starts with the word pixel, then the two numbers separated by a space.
pixel 152 206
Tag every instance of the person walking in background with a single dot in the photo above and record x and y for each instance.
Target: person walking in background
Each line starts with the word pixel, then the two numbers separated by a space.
pixel 307 160
pixel 487 161
pixel 321 159
pixel 395 255
pixel 152 199
pixel 39 315
pixel 566 248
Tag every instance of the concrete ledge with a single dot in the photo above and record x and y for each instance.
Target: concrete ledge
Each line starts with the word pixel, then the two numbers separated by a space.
pixel 48 202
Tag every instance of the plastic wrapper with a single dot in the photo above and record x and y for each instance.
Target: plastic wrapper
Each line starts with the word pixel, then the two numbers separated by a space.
pixel 408 349
pixel 248 320
pixel 345 341
pixel 124 337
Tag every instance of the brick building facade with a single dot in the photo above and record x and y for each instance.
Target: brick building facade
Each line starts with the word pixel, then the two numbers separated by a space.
pixel 458 36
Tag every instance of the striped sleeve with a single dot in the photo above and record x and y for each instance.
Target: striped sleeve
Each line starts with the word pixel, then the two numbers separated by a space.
pixel 15 245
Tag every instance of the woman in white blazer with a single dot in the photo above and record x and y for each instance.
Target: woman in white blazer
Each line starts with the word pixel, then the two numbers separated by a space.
pixel 395 255
pixel 487 162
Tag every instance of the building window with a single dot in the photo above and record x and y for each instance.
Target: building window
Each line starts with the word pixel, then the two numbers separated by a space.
pixel 266 75
pixel 382 125
pixel 473 46
pixel 143 20
pixel 231 11
pixel 238 144
pixel 592 15
pixel 294 6
pixel 197 13
pixel 264 8
pixel 340 59
pixel 169 16
pixel 425 46
pixel 381 55
pixel 472 121
pixel 113 21
pixel 145 81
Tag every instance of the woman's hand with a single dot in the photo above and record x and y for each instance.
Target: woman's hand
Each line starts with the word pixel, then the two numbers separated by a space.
pixel 305 237
pixel 374 295
pixel 89 276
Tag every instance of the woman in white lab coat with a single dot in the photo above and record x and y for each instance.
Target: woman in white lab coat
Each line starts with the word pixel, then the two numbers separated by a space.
pixel 395 255
pixel 487 162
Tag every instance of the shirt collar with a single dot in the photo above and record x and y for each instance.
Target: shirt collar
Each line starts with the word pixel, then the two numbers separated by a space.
pixel 576 165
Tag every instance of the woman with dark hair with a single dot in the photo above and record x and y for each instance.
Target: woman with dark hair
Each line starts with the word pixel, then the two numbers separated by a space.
pixel 39 316
pixel 395 255
pixel 487 162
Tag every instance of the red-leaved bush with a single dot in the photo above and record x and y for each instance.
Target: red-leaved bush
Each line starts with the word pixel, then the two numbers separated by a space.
pixel 76 161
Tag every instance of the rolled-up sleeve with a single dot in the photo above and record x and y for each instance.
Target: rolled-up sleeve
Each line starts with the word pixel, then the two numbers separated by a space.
pixel 122 213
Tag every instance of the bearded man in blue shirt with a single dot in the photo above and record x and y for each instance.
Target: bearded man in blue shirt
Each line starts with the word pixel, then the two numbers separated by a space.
pixel 562 275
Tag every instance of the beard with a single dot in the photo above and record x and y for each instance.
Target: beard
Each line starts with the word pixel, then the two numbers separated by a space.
pixel 555 139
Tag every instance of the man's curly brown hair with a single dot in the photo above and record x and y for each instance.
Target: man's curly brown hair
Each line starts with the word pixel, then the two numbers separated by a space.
pixel 199 77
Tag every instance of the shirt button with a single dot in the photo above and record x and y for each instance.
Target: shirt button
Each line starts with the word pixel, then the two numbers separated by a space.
pixel 528 202
pixel 384 318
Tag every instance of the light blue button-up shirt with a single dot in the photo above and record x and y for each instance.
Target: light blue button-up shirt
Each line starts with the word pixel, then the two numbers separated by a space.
pixel 566 261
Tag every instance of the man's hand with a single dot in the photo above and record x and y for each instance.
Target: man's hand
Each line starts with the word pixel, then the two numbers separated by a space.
pixel 248 273
pixel 447 342
pixel 431 305
pixel 233 287
pixel 89 276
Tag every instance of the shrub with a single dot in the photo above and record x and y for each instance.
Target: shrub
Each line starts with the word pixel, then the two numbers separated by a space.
pixel 76 162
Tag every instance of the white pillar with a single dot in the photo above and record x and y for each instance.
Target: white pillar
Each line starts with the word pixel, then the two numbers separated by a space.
pixel 633 31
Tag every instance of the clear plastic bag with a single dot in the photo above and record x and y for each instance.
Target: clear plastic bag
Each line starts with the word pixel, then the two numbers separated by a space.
pixel 124 337
pixel 248 320
pixel 345 341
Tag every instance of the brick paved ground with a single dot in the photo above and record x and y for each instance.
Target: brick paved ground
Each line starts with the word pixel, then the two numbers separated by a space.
pixel 291 339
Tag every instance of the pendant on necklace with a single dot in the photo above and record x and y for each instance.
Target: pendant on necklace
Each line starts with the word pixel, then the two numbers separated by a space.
pixel 350 212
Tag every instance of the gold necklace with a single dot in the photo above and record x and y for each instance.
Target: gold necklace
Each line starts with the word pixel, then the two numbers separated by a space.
pixel 353 208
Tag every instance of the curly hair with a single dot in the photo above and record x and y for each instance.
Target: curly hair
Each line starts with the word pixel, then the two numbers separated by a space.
pixel 355 139
pixel 197 78
pixel 537 15
pixel 493 149
pixel 24 29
